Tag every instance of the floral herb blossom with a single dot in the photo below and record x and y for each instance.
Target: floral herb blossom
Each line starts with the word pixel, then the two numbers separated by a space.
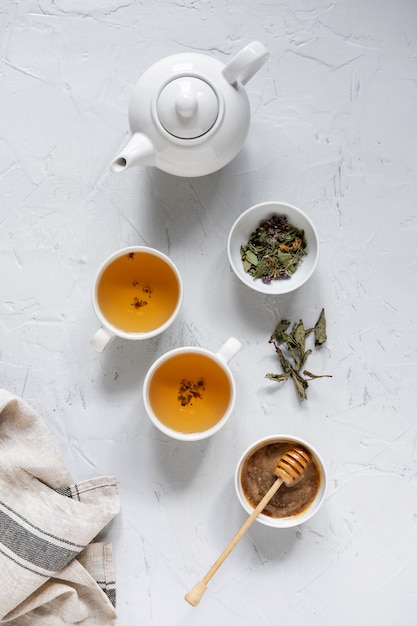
pixel 274 250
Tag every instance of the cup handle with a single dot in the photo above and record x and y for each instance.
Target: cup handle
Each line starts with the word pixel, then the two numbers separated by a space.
pixel 229 350
pixel 102 339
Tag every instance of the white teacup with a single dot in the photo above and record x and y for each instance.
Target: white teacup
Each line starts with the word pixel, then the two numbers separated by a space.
pixel 137 294
pixel 189 393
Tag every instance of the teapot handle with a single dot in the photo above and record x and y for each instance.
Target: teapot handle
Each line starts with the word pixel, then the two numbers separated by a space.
pixel 245 63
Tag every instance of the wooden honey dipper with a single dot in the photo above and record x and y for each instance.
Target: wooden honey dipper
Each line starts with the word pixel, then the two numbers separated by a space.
pixel 289 469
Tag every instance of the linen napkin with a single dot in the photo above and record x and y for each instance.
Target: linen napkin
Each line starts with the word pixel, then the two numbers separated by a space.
pixel 51 573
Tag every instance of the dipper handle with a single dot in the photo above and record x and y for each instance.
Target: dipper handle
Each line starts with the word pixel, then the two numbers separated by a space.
pixel 290 468
pixel 194 595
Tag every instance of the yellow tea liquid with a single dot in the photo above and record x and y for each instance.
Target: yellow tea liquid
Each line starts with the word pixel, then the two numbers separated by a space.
pixel 189 392
pixel 138 292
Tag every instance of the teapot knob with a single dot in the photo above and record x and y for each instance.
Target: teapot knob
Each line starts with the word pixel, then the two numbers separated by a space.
pixel 245 63
pixel 186 105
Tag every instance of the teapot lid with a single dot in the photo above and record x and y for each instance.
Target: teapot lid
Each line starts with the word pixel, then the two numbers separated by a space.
pixel 187 107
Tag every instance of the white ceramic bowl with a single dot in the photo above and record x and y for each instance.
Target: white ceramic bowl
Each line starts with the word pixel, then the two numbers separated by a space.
pixel 248 222
pixel 283 522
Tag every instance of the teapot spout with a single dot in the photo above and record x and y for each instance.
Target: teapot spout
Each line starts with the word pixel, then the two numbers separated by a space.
pixel 245 63
pixel 139 151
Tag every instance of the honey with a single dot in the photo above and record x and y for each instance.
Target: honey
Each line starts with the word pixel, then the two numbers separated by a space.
pixel 257 476
pixel 138 292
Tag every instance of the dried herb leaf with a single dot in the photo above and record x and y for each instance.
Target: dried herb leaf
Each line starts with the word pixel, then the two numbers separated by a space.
pixel 295 344
pixel 320 335
pixel 251 258
pixel 278 333
pixel 278 377
pixel 285 364
pixel 304 359
pixel 310 375
pixel 299 336
pixel 301 386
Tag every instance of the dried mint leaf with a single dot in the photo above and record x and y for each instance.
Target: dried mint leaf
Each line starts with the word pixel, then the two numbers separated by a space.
pixel 310 375
pixel 299 336
pixel 295 344
pixel 279 332
pixel 320 335
pixel 305 357
pixel 278 377
pixel 301 385
pixel 285 364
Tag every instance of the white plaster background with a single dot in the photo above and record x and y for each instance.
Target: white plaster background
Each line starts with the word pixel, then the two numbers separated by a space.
pixel 334 132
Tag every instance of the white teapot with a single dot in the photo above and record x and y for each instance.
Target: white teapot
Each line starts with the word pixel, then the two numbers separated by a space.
pixel 189 113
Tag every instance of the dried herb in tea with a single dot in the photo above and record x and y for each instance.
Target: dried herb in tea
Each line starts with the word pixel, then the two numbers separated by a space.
pixel 189 391
pixel 293 361
pixel 138 303
pixel 274 250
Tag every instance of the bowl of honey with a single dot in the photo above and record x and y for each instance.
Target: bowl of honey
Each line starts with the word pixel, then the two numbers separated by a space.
pixel 291 505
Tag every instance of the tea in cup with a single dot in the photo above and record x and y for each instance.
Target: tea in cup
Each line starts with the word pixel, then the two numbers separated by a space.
pixel 189 393
pixel 137 294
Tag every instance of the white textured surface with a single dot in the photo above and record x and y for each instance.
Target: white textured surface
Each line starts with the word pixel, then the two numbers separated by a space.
pixel 334 132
